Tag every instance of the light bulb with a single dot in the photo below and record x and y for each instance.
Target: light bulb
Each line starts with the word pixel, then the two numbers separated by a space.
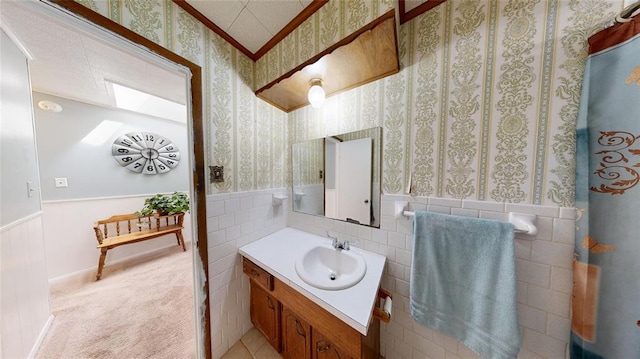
pixel 316 94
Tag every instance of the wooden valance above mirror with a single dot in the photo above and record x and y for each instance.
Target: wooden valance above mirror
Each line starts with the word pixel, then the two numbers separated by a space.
pixel 369 54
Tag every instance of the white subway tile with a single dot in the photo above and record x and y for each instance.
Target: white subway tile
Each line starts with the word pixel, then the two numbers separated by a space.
pixel 543 345
pixel 559 304
pixel 396 240
pixel 212 224
pixel 234 232
pixel 562 280
pixel 388 223
pixel 568 213
pixel 547 211
pixel 216 238
pixel 407 274
pixel 464 212
pixel 527 354
pixel 504 217
pixel 538 297
pixel 545 228
pixel 405 226
pixel 388 251
pixel 483 205
pixel 466 353
pixel 523 248
pixel 242 216
pixel 215 208
pixel 222 251
pixel 402 287
pixel 226 220
pixel 418 206
pixel 372 246
pixel 387 208
pixel 532 318
pixel 556 254
pixel 395 270
pixel 379 236
pixel 246 202
pixel 403 257
pixel 365 233
pixel 445 202
pixel 408 242
pixel 558 327
pixel 521 291
pixel 445 341
pixel 439 209
pixel 433 350
pixel 533 273
pixel 422 331
pixel 564 231
pixel 232 205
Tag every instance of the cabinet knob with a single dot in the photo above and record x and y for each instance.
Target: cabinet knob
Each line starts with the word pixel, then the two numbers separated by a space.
pixel 323 346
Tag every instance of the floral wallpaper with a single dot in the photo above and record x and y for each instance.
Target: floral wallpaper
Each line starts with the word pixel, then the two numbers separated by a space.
pixel 484 106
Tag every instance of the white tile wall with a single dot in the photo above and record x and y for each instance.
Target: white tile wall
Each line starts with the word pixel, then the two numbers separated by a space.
pixel 543 271
pixel 234 220
pixel 25 309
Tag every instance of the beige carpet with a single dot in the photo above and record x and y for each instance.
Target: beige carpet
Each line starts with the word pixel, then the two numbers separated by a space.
pixel 138 310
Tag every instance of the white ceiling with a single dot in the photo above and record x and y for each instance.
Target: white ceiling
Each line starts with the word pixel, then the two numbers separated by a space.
pixel 72 64
pixel 250 22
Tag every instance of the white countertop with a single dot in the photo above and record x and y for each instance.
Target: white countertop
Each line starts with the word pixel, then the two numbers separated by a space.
pixel 277 253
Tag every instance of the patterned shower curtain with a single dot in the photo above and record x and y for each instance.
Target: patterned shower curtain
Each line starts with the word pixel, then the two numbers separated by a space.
pixel 606 297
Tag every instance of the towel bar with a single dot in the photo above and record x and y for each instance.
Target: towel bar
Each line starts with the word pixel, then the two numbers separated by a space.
pixel 523 223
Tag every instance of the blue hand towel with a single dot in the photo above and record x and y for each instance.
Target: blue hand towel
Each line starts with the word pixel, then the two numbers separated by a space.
pixel 463 281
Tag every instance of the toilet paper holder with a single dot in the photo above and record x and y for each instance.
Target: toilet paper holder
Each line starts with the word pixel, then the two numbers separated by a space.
pixel 383 312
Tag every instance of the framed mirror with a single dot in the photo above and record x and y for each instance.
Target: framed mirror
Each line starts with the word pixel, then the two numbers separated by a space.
pixel 339 176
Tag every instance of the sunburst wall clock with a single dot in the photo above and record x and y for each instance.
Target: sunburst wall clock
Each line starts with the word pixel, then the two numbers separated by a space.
pixel 145 152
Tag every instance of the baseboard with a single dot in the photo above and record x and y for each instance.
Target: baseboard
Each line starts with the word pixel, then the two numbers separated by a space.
pixel 84 276
pixel 41 336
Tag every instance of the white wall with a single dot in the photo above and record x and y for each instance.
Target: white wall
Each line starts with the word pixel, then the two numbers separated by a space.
pixel 91 171
pixel 70 241
pixel 543 271
pixel 24 293
pixel 234 220
pixel 17 144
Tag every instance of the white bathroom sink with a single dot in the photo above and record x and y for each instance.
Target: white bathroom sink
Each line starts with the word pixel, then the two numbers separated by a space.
pixel 331 269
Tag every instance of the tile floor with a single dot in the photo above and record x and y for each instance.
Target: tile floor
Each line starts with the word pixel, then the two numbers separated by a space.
pixel 252 345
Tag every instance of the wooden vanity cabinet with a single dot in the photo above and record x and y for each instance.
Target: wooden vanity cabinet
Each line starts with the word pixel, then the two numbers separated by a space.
pixel 296 336
pixel 265 314
pixel 298 328
pixel 264 307
pixel 325 349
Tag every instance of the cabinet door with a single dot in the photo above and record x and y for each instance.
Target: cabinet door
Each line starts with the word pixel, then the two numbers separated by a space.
pixel 296 336
pixel 324 349
pixel 265 314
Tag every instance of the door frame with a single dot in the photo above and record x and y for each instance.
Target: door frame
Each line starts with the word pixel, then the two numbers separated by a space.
pixel 201 268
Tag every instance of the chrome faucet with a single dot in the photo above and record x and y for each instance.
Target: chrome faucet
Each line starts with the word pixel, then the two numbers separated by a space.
pixel 343 245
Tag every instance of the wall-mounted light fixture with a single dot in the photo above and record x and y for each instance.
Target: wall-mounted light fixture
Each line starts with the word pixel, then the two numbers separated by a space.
pixel 316 93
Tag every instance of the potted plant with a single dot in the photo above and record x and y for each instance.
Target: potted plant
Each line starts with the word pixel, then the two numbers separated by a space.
pixel 165 204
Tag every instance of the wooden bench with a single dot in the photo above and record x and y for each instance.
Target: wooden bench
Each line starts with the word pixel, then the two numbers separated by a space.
pixel 129 228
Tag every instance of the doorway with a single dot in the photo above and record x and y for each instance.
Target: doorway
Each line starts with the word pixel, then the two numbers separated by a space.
pixel 195 152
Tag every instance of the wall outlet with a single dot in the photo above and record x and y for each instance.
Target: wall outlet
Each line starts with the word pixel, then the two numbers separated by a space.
pixel 61 182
